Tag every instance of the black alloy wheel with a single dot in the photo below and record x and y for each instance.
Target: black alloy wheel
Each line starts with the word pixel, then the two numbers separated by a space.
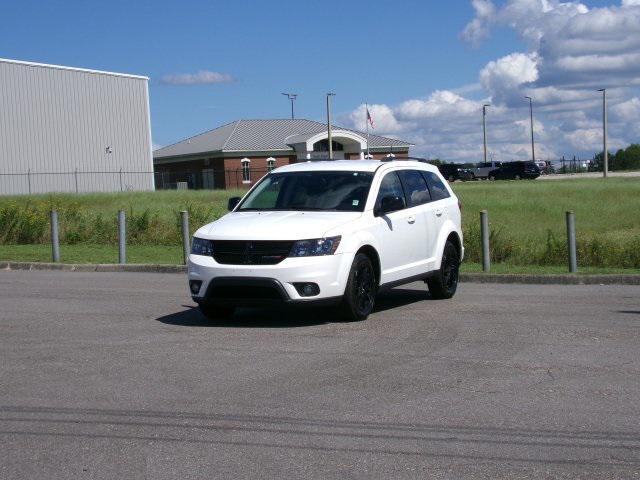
pixel 360 294
pixel 445 283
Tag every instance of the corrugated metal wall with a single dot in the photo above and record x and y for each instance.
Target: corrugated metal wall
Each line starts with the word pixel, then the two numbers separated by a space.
pixel 56 125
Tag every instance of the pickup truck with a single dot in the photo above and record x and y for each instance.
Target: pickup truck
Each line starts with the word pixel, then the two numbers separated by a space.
pixel 482 170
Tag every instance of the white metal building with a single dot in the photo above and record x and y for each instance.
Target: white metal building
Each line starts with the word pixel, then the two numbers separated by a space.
pixel 66 129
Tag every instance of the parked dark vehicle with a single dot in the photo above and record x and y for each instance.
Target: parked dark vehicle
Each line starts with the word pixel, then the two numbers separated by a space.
pixel 453 172
pixel 515 171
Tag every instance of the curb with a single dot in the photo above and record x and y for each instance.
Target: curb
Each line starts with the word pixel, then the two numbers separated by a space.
pixel 101 267
pixel 561 279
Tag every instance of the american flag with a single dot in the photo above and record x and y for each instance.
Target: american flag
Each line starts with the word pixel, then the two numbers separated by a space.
pixel 370 118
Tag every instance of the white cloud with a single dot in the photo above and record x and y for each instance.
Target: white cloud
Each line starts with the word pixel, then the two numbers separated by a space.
pixel 203 77
pixel 570 52
pixel 478 29
pixel 503 78
pixel 628 111
pixel 383 116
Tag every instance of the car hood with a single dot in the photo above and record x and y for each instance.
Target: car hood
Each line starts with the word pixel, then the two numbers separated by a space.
pixel 268 225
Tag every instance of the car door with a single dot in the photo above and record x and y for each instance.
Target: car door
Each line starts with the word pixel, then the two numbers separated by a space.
pixel 439 209
pixel 397 232
pixel 418 199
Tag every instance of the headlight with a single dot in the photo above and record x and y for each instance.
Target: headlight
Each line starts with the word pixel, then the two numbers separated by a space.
pixel 202 246
pixel 314 247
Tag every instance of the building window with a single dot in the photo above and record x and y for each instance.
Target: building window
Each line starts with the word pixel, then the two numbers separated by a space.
pixel 323 146
pixel 271 164
pixel 246 170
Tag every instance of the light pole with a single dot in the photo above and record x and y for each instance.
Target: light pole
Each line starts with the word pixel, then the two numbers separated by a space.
pixel 605 169
pixel 533 149
pixel 329 95
pixel 484 128
pixel 292 97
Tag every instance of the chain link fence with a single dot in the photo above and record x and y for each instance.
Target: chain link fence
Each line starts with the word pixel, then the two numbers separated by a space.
pixel 78 181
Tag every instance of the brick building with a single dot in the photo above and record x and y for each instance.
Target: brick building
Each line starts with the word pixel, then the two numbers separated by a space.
pixel 238 154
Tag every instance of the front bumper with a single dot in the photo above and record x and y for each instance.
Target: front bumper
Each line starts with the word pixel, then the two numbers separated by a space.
pixel 265 284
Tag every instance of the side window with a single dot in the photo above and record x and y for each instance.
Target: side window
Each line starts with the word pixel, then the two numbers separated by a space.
pixel 437 188
pixel 415 187
pixel 390 185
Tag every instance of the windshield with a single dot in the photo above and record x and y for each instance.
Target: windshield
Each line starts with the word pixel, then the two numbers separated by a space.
pixel 320 190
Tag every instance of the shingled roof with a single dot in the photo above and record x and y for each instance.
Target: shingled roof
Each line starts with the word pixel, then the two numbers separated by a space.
pixel 260 136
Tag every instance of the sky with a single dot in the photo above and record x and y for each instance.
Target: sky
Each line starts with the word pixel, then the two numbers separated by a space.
pixel 424 67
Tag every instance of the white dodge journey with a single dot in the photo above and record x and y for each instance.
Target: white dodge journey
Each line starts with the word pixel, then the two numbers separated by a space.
pixel 330 232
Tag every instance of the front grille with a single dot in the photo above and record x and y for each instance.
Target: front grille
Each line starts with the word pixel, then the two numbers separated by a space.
pixel 233 292
pixel 242 252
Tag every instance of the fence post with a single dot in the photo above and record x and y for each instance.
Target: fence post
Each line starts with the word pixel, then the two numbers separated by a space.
pixel 571 241
pixel 120 178
pixel 185 235
pixel 122 237
pixel 75 174
pixel 484 234
pixel 55 242
pixel 29 180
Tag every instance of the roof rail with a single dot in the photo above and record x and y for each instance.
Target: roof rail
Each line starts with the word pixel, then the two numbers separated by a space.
pixel 396 159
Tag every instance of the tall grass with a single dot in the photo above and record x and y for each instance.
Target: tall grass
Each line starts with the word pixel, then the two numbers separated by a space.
pixel 526 218
pixel 152 218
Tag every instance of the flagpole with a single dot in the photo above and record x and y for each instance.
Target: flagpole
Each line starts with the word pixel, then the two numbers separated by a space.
pixel 366 120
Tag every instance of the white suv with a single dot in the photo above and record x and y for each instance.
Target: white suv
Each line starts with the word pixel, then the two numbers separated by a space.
pixel 330 232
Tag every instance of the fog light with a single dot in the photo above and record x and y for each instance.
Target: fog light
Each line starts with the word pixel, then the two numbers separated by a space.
pixel 194 286
pixel 307 289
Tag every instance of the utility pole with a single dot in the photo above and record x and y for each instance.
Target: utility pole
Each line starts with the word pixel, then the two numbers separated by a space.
pixel 605 169
pixel 484 128
pixel 533 150
pixel 292 97
pixel 329 95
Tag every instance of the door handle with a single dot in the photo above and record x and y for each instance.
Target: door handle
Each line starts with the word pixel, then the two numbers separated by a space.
pixel 411 219
pixel 438 212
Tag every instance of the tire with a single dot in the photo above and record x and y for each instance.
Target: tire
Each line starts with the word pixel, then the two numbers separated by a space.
pixel 360 293
pixel 517 177
pixel 451 179
pixel 216 312
pixel 492 178
pixel 445 282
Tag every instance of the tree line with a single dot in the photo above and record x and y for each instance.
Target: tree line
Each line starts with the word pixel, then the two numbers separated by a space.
pixel 624 159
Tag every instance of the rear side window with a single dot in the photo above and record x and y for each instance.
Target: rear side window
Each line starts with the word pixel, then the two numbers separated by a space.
pixel 390 186
pixel 415 187
pixel 437 188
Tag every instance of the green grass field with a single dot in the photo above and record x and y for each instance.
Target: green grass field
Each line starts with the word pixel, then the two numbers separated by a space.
pixel 527 222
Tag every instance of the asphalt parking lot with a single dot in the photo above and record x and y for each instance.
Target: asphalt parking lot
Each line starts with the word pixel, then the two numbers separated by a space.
pixel 115 375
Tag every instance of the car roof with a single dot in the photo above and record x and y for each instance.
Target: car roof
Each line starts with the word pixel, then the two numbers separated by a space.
pixel 351 165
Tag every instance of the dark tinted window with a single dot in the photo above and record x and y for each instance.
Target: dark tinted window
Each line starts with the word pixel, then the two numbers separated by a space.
pixel 390 185
pixel 415 187
pixel 438 190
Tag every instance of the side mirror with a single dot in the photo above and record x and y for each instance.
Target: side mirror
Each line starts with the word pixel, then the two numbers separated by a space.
pixel 233 203
pixel 390 203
